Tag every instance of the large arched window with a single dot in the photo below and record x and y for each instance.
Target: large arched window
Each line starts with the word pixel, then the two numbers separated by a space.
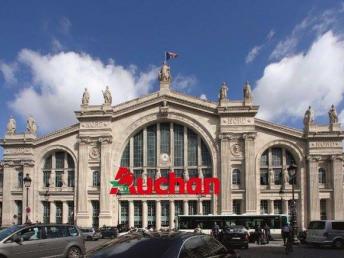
pixel 275 159
pixel 159 148
pixel 58 170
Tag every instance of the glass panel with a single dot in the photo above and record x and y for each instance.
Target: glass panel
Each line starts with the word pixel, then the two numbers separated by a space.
pixel 70 161
pixel 178 145
pixel 46 212
pixel 193 173
pixel 58 212
pixel 323 209
pixel 58 179
pixel 237 206
pixel 48 162
pixel 70 212
pixel 236 177
pixel 278 176
pixel 165 138
pixel 124 212
pixel 19 205
pixel 125 161
pixel 206 172
pixel 71 178
pixel 137 174
pixel 96 179
pixel 264 176
pixel 95 214
pixel 164 173
pixel 46 178
pixel 59 157
pixel 206 159
pixel 192 207
pixel 151 173
pixel 277 207
pixel 206 207
pixel 178 208
pixel 322 176
pixel 192 148
pixel 263 207
pixel 264 160
pixel 151 145
pixel 290 159
pixel 179 173
pixel 138 214
pixel 276 157
pixel 151 213
pixel 138 149
pixel 165 207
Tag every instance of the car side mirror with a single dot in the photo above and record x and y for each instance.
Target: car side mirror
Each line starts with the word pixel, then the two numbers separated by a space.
pixel 17 239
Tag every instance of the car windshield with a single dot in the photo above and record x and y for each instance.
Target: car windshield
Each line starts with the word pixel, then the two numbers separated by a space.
pixel 8 231
pixel 316 225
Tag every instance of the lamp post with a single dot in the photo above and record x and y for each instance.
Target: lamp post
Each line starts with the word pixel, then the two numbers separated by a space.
pixel 292 174
pixel 27 182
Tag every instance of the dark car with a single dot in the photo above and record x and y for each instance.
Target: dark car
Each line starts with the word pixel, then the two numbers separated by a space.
pixel 235 236
pixel 165 245
pixel 122 228
pixel 110 232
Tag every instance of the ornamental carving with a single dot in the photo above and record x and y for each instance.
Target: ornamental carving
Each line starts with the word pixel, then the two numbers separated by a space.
pixel 18 151
pixel 94 153
pixel 105 140
pixel 95 124
pixel 236 149
pixel 237 121
pixel 325 144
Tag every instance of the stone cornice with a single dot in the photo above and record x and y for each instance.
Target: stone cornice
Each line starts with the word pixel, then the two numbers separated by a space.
pixel 278 128
pixel 59 133
pixel 105 139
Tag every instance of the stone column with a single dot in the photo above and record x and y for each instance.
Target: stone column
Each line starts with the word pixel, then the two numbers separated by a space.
pixel 226 186
pixel 144 214
pixel 199 207
pixel 185 147
pixel 119 207
pixel 64 212
pixel 250 174
pixel 8 206
pixel 105 217
pixel 82 209
pixel 186 207
pixel 158 214
pixel 313 189
pixel 271 206
pixel 337 182
pixel 131 213
pixel 172 214
pixel 285 206
pixel 52 212
pixel 171 145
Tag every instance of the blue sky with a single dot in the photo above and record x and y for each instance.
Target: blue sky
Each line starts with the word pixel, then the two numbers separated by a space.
pixel 290 51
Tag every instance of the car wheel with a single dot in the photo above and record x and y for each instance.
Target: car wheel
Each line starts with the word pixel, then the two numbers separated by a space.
pixel 338 243
pixel 74 252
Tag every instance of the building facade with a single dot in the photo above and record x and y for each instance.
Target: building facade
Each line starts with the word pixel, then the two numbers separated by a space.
pixel 71 169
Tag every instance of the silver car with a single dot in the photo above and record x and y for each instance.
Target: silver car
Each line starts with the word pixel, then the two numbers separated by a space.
pixel 326 232
pixel 90 233
pixel 41 240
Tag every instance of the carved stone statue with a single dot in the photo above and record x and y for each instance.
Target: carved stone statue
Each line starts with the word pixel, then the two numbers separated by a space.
pixel 11 126
pixel 165 74
pixel 247 93
pixel 223 91
pixel 85 97
pixel 309 117
pixel 31 126
pixel 333 115
pixel 107 96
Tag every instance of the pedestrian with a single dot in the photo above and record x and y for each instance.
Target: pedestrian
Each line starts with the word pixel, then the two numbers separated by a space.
pixel 267 232
pixel 215 231
pixel 285 233
pixel 258 234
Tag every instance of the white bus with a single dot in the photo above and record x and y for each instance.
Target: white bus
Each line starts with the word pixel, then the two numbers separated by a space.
pixel 206 222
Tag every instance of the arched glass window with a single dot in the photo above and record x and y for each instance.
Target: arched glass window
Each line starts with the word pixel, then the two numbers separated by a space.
pixel 275 159
pixel 58 163
pixel 186 152
pixel 322 176
pixel 236 177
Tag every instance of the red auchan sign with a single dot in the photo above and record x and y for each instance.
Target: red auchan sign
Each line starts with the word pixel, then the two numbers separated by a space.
pixel 124 183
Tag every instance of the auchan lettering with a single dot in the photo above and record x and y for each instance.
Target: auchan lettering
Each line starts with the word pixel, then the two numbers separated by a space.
pixel 124 183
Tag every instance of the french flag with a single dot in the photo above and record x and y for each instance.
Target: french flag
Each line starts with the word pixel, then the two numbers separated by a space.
pixel 170 55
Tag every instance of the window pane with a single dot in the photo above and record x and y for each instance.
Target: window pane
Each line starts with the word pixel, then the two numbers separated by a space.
pixel 70 161
pixel 264 176
pixel 277 207
pixel 58 212
pixel 46 178
pixel 165 207
pixel 96 178
pixel 46 212
pixel 237 206
pixel 151 145
pixel 192 148
pixel 276 156
pixel 137 174
pixel 20 179
pixel 323 209
pixel 71 178
pixel 206 207
pixel 58 179
pixel 236 177
pixel 59 157
pixel 206 172
pixel 48 162
pixel 264 207
pixel 165 138
pixel 95 214
pixel 138 214
pixel 151 173
pixel 151 213
pixel 206 159
pixel 289 158
pixel 138 150
pixel 193 173
pixel 192 207
pixel 322 176
pixel 278 176
pixel 124 212
pixel 264 159
pixel 178 145
pixel 178 208
pixel 125 161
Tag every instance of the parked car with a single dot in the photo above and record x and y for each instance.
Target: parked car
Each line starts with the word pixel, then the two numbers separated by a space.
pixel 234 236
pixel 326 232
pixel 90 233
pixel 111 232
pixel 123 228
pixel 41 240
pixel 165 245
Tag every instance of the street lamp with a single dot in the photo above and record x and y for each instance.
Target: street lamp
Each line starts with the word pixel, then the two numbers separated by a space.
pixel 292 174
pixel 27 182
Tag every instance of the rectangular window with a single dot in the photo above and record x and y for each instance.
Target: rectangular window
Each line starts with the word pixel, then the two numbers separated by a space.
pixel 206 207
pixel 276 157
pixel 338 225
pixel 124 212
pixel 46 178
pixel 192 148
pixel 192 207
pixel 58 212
pixel 71 178
pixel 1 180
pixel 151 145
pixel 206 172
pixel 278 176
pixel 236 177
pixel 264 207
pixel 58 179
pixel 46 212
pixel 179 173
pixel 151 213
pixel 165 210
pixel 137 174
pixel 193 173
pixel 323 209
pixel 277 207
pixel 237 206
pixel 264 176
pixel 165 138
pixel 264 160
pixel 178 145
pixel 70 212
pixel 206 159
pixel 95 214
pixel 96 179
pixel 125 161
pixel 48 163
pixel 138 214
pixel 19 205
pixel 20 179
pixel 138 150
pixel 178 208
pixel 59 157
pixel 151 173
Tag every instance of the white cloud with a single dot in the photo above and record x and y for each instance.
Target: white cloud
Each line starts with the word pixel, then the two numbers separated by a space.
pixel 270 35
pixel 64 25
pixel 203 96
pixel 313 78
pixel 184 83
pixel 8 72
pixel 58 81
pixel 252 54
pixel 56 45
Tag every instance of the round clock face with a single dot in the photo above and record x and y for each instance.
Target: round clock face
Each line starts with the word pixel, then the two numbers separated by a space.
pixel 164 157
